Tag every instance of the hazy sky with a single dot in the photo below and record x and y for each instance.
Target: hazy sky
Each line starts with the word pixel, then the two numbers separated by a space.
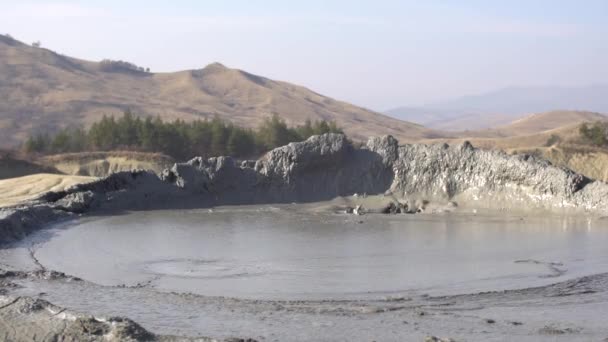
pixel 378 54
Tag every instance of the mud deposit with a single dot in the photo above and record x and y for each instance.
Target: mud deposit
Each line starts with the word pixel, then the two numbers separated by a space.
pixel 280 273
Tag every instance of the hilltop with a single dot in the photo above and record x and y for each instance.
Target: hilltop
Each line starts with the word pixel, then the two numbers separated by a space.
pixel 44 91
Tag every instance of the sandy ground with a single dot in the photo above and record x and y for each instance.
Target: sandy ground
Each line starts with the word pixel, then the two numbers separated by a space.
pixel 16 190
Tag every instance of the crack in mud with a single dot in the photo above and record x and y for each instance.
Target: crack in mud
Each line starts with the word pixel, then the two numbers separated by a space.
pixel 552 266
pixel 11 303
pixel 32 253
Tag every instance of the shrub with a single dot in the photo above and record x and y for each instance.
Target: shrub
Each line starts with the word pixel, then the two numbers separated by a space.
pixel 108 65
pixel 553 139
pixel 596 134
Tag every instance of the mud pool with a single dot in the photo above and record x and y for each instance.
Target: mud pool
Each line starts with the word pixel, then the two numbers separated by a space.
pixel 231 271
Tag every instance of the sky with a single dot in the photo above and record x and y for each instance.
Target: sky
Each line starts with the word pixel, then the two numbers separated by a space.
pixel 379 54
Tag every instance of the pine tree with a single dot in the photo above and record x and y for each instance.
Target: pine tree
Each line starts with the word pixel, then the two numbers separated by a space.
pixel 184 140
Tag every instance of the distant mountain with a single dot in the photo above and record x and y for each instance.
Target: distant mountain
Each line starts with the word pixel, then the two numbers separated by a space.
pixel 503 106
pixel 42 91
pixel 420 115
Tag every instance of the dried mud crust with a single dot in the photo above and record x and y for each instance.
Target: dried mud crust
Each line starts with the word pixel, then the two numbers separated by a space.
pixel 460 317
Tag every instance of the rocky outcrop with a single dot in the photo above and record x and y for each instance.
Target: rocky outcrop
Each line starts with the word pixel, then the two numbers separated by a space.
pixel 327 166
pixel 319 168
pixel 492 179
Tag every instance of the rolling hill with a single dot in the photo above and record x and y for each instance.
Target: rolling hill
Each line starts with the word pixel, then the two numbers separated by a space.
pixel 503 106
pixel 43 91
pixel 528 132
pixel 538 123
pixel 542 122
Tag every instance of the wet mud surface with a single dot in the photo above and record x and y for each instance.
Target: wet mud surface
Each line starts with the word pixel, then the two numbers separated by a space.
pixel 553 287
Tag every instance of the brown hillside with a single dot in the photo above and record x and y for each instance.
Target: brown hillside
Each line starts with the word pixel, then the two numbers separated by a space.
pixel 43 91
pixel 542 122
pixel 539 123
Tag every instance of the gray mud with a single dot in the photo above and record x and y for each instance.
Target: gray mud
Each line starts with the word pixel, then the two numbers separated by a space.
pixel 487 277
pixel 504 278
pixel 284 252
pixel 573 310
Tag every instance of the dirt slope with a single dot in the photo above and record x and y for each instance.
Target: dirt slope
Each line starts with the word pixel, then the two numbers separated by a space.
pixel 11 167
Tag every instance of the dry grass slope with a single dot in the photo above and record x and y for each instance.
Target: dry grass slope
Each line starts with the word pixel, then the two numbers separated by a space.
pixel 17 190
pixel 102 164
pixel 543 122
pixel 22 179
pixel 592 162
pixel 43 91
pixel 536 124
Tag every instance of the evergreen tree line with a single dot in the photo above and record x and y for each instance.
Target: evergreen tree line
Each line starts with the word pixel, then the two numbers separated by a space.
pixel 178 139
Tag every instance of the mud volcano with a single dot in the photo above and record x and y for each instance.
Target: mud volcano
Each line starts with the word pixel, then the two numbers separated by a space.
pixel 500 246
